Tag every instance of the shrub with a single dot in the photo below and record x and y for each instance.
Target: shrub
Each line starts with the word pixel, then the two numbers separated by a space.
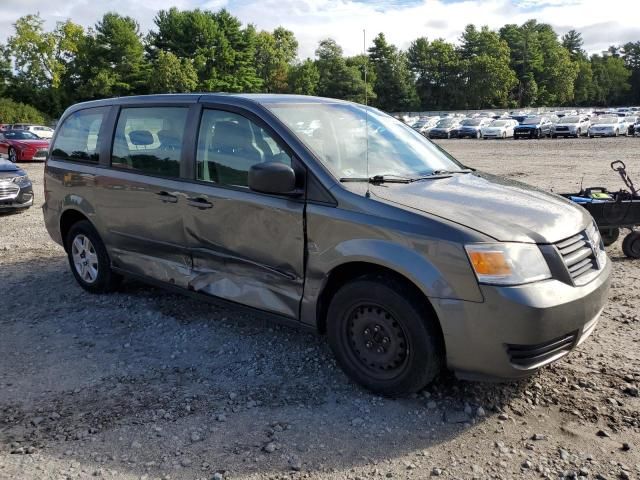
pixel 16 112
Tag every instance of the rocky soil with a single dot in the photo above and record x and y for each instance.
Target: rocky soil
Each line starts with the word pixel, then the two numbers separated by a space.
pixel 144 384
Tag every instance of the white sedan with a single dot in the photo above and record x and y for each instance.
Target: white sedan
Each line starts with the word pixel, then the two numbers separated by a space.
pixel 41 131
pixel 608 126
pixel 499 129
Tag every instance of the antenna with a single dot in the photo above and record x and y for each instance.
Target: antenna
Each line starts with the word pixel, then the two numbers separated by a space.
pixel 366 110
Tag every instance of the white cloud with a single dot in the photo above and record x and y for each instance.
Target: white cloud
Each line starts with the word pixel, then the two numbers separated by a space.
pixel 344 20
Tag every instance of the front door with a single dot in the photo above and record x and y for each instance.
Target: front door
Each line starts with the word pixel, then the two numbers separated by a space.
pixel 141 198
pixel 246 247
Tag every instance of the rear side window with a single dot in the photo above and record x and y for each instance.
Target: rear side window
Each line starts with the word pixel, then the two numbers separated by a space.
pixel 229 144
pixel 149 140
pixel 78 136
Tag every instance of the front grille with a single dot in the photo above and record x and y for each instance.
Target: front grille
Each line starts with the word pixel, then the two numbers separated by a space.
pixel 562 129
pixel 533 356
pixel 8 191
pixel 578 255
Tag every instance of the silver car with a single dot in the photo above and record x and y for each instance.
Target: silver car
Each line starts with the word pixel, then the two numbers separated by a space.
pixel 608 126
pixel 359 228
pixel 571 126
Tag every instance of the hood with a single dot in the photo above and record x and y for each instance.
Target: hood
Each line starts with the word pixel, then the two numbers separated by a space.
pixel 529 126
pixel 37 143
pixel 503 209
pixel 7 166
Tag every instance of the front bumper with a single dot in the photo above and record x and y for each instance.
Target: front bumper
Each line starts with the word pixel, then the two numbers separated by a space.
pixel 517 330
pixel 23 198
pixel 526 133
pixel 440 134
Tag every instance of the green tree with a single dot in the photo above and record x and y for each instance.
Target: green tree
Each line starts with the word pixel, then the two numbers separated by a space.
pixel 572 41
pixel 16 112
pixel 437 68
pixel 611 80
pixel 336 78
pixel 394 83
pixel 304 78
pixel 275 52
pixel 171 74
pixel 489 78
pixel 632 62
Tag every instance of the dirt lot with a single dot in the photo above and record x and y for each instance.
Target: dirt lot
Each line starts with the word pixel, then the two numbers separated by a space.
pixel 143 384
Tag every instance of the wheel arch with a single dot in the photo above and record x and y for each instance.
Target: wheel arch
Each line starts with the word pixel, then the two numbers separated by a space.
pixel 68 218
pixel 346 272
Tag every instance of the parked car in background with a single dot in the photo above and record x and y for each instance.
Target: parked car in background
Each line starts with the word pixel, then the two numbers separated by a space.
pixel 636 128
pixel 444 128
pixel 533 127
pixel 502 128
pixel 16 191
pixel 21 145
pixel 471 127
pixel 425 124
pixel 439 266
pixel 608 126
pixel 40 131
pixel 632 121
pixel 571 126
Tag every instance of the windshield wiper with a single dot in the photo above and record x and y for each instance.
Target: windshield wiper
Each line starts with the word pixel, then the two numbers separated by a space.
pixel 437 173
pixel 377 179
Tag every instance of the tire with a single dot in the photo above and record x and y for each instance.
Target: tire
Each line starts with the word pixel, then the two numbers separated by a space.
pixel 616 134
pixel 448 135
pixel 554 136
pixel 478 135
pixel 414 355
pixel 89 260
pixel 609 236
pixel 13 155
pixel 578 133
pixel 631 245
pixel 504 135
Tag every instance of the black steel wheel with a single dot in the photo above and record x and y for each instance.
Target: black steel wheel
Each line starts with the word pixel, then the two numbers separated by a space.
pixel 631 245
pixel 609 235
pixel 383 337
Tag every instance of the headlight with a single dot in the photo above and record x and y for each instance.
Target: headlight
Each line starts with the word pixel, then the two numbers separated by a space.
pixel 22 181
pixel 507 263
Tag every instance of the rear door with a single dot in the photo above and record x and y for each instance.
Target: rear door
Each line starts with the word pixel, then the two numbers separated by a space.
pixel 141 194
pixel 247 247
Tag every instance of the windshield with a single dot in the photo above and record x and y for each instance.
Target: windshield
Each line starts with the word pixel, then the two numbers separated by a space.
pixel 472 122
pixel 531 121
pixel 499 123
pixel 607 120
pixel 569 120
pixel 341 138
pixel 19 135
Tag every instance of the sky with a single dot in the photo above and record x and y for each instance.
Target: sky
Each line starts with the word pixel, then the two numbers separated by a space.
pixel 601 23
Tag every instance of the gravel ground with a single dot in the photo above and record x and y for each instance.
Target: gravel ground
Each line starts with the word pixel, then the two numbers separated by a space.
pixel 143 384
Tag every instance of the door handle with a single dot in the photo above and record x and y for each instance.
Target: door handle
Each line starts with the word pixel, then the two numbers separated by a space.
pixel 199 202
pixel 166 197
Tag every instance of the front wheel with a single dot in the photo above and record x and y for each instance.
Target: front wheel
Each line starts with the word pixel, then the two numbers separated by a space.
pixel 89 260
pixel 13 155
pixel 631 245
pixel 478 135
pixel 383 336
pixel 504 135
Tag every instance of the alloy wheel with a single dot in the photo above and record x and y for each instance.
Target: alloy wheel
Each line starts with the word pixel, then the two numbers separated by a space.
pixel 13 157
pixel 85 258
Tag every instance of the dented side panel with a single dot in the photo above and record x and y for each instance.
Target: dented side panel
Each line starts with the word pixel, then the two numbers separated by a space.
pixel 248 248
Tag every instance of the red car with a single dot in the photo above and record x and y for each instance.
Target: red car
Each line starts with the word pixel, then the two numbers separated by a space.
pixel 21 145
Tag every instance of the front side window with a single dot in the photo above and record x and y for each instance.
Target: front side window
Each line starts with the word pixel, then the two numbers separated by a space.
pixel 230 144
pixel 149 140
pixel 78 136
pixel 340 133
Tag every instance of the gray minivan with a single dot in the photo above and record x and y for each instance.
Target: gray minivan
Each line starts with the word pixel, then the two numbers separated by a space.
pixel 330 215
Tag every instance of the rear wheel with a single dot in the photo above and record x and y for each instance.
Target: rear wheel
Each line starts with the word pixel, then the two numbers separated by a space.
pixel 383 337
pixel 631 245
pixel 609 235
pixel 89 260
pixel 478 135
pixel 504 135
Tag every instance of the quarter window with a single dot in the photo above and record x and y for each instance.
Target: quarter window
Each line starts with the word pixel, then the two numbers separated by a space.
pixel 78 137
pixel 229 144
pixel 149 140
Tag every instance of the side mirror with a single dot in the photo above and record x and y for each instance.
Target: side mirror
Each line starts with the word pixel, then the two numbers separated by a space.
pixel 273 177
